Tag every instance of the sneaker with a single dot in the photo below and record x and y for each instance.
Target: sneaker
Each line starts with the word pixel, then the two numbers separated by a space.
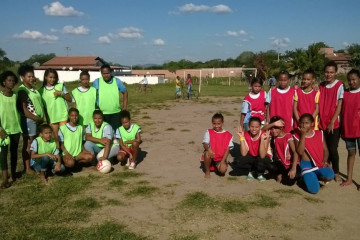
pixel 250 176
pixel 127 163
pixel 261 178
pixel 132 166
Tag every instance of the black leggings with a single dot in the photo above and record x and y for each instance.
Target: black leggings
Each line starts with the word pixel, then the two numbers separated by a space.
pixel 243 165
pixel 332 142
pixel 14 144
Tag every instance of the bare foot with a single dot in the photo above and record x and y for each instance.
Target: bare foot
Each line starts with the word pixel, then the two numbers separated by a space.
pixel 346 183
pixel 207 175
pixel 43 178
pixel 279 178
pixel 30 171
pixel 338 178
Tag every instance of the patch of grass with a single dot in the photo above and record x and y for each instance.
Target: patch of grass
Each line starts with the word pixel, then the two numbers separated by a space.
pixel 141 190
pixel 324 223
pixel 286 193
pixel 191 142
pixel 313 200
pixel 264 201
pixel 126 174
pixel 114 202
pixel 143 182
pixel 87 202
pixel 182 236
pixel 198 200
pixel 117 182
pixel 234 206
pixel 170 129
pixel 185 130
pixel 146 117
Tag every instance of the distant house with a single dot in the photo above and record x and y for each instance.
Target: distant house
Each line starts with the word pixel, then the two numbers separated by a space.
pixel 341 59
pixel 76 63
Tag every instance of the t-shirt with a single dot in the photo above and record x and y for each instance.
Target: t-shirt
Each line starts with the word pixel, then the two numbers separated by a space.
pixel 118 135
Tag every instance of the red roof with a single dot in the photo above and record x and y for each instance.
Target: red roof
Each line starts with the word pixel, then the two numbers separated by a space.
pixel 90 61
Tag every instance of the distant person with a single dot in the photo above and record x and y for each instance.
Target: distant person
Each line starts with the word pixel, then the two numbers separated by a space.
pixel 189 86
pixel 272 82
pixel 31 110
pixel 296 85
pixel 253 104
pixel 351 121
pixel 311 146
pixel 10 128
pixel 178 87
pixel 55 97
pixel 85 99
pixel 45 155
pixel 108 99
pixel 129 139
pixel 217 144
pixel 144 83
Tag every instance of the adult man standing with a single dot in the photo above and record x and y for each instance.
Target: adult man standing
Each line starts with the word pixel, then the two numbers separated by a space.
pixel 108 97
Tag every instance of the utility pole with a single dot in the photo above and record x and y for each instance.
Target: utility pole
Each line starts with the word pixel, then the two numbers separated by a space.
pixel 67 50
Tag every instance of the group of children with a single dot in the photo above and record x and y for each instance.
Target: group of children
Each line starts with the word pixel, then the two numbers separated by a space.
pixel 290 132
pixel 70 137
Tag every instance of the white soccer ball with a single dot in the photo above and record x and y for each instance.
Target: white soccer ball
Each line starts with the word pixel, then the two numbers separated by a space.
pixel 104 166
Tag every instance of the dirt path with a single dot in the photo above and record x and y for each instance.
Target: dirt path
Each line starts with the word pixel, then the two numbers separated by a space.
pixel 172 144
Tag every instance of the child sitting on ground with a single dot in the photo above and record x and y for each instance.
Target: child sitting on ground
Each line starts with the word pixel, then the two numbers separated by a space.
pixel 284 155
pixel 217 144
pixel 311 147
pixel 44 153
pixel 129 139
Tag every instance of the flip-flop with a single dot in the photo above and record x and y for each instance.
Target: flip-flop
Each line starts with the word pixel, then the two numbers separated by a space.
pixel 346 184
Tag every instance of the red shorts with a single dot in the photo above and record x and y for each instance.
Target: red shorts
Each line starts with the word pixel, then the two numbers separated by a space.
pixel 213 163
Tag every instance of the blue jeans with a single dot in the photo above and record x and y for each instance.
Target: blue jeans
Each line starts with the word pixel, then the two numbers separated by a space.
pixel 311 178
pixel 95 149
pixel 189 90
pixel 45 164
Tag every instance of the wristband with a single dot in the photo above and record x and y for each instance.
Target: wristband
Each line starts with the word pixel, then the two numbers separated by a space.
pixel 242 139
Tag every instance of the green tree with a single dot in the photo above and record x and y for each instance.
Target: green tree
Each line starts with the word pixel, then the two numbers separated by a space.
pixel 39 58
pixel 246 58
pixel 354 51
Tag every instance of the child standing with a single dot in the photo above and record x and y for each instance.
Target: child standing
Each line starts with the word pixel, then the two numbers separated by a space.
pixel 54 96
pixel 253 104
pixel 217 144
pixel 189 86
pixel 284 155
pixel 31 110
pixel 351 121
pixel 280 101
pixel 129 139
pixel 306 99
pixel 85 99
pixel 10 128
pixel 44 153
pixel 330 101
pixel 313 152
pixel 71 138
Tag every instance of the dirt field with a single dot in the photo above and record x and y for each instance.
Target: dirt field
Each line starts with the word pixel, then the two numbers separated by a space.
pixel 181 204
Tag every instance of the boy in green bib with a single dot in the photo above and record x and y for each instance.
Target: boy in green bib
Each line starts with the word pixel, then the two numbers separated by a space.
pixel 9 126
pixel 84 99
pixel 44 153
pixel 129 139
pixel 31 109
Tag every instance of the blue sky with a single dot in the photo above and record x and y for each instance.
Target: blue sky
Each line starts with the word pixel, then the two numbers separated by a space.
pixel 156 31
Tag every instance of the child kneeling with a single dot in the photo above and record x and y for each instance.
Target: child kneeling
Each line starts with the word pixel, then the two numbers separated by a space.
pixel 313 151
pixel 44 154
pixel 217 144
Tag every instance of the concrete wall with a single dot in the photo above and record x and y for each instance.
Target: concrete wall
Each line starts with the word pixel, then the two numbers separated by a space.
pixel 70 76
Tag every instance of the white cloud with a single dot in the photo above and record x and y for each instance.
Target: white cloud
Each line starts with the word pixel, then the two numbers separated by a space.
pixel 128 33
pixel 345 44
pixel 158 42
pixel 190 8
pixel 57 9
pixel 53 30
pixel 280 42
pixel 80 30
pixel 104 40
pixel 221 9
pixel 236 33
pixel 36 36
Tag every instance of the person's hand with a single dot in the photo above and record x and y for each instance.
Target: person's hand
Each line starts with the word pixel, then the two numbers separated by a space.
pixel 302 131
pixel 57 93
pixel 279 123
pixel 105 141
pixel 57 167
pixel 211 153
pixel 292 173
pixel 2 134
pixel 39 120
pixel 330 127
pixel 240 131
pixel 51 156
pixel 265 136
pixel 68 157
pixel 101 158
